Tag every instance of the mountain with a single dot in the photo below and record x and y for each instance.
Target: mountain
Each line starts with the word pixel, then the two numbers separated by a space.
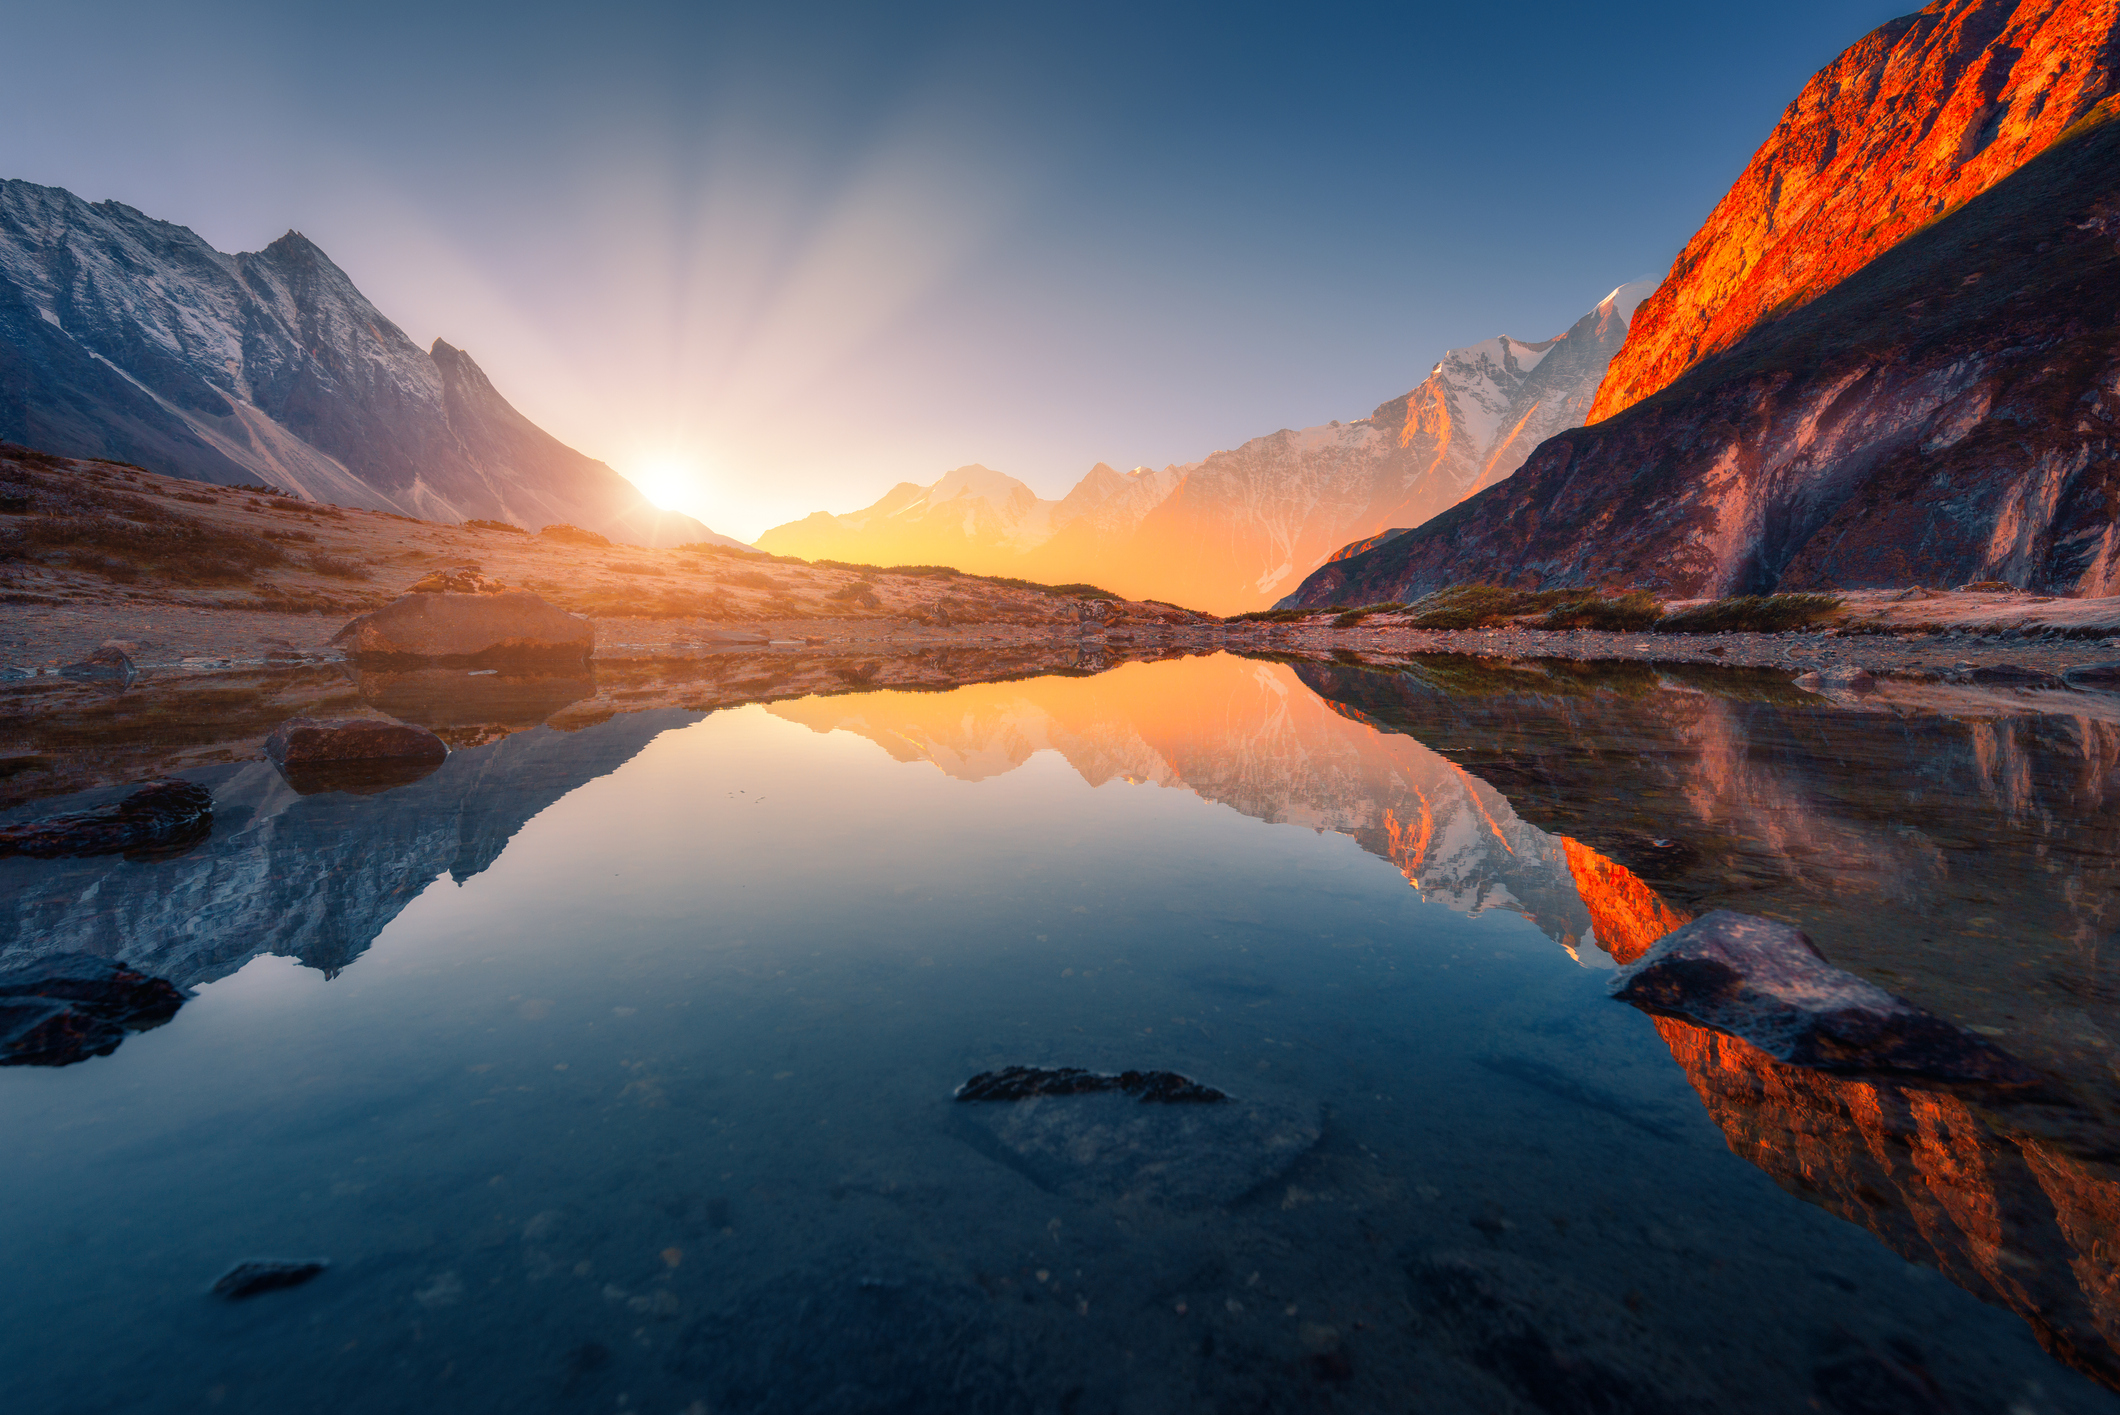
pixel 1231 532
pixel 1943 414
pixel 975 519
pixel 128 338
pixel 1920 116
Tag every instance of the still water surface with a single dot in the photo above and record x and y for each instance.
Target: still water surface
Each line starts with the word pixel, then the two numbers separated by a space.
pixel 613 1070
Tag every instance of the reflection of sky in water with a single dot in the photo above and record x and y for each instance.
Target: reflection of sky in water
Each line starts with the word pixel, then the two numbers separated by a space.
pixel 654 1111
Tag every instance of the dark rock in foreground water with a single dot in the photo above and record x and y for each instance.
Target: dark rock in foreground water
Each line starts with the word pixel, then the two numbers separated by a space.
pixel 250 1279
pixel 160 815
pixel 359 755
pixel 1765 982
pixel 1090 1136
pixel 1015 1083
pixel 71 1006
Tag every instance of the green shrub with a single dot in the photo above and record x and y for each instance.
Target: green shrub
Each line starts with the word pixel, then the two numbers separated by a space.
pixel 1617 614
pixel 573 535
pixel 1353 617
pixel 1757 614
pixel 1477 606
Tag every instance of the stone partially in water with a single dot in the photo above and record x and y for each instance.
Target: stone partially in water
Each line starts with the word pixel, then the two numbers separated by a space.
pixel 1016 1083
pixel 250 1279
pixel 110 663
pixel 159 815
pixel 1105 1143
pixel 1765 982
pixel 360 755
pixel 68 1007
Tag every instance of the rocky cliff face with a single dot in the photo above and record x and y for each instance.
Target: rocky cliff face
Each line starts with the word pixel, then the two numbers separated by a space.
pixel 129 338
pixel 1242 527
pixel 1946 414
pixel 1921 115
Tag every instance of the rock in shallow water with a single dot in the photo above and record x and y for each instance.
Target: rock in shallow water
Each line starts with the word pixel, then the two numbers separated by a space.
pixel 1765 982
pixel 1104 1142
pixel 360 755
pixel 250 1279
pixel 68 1007
pixel 160 815
pixel 1015 1083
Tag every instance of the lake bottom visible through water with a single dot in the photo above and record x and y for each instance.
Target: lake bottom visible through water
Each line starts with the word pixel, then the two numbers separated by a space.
pixel 655 1111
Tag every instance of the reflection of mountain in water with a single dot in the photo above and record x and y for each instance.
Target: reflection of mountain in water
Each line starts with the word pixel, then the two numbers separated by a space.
pixel 1251 737
pixel 314 878
pixel 1866 821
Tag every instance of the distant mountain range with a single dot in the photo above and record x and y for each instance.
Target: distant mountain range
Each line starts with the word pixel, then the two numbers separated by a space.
pixel 1233 531
pixel 1888 357
pixel 128 338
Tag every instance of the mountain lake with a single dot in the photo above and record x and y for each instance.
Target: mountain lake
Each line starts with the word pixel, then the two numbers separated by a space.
pixel 618 1069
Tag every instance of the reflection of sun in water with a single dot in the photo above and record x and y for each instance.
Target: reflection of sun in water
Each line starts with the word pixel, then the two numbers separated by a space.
pixel 668 482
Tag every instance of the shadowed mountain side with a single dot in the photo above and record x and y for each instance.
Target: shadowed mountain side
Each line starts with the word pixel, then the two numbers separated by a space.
pixel 314 878
pixel 1945 415
pixel 128 338
pixel 1248 736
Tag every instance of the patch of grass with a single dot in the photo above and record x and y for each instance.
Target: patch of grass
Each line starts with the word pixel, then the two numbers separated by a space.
pixel 505 526
pixel 751 580
pixel 633 567
pixel 1755 614
pixel 573 535
pixel 1353 617
pixel 1626 613
pixel 1270 616
pixel 1479 606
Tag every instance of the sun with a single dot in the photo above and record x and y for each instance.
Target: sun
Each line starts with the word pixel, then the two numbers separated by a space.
pixel 667 482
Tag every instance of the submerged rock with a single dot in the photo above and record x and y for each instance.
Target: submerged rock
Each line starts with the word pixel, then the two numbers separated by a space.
pixel 362 755
pixel 2014 675
pixel 503 627
pixel 1090 1136
pixel 160 815
pixel 1765 982
pixel 2094 675
pixel 70 1006
pixel 1015 1083
pixel 250 1279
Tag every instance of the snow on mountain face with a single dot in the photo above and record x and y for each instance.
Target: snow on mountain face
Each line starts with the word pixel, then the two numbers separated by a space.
pixel 1234 531
pixel 130 338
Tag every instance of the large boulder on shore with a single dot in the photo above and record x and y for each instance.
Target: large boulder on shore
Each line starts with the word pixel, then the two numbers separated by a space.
pixel 509 626
pixel 362 755
pixel 67 1007
pixel 1766 982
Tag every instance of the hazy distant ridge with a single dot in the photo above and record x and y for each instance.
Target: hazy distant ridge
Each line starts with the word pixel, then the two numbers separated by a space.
pixel 1239 528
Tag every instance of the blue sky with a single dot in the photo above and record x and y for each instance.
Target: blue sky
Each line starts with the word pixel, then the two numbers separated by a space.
pixel 782 257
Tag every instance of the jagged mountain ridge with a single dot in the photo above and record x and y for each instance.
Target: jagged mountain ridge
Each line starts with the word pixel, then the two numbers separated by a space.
pixel 128 338
pixel 1231 532
pixel 1944 415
